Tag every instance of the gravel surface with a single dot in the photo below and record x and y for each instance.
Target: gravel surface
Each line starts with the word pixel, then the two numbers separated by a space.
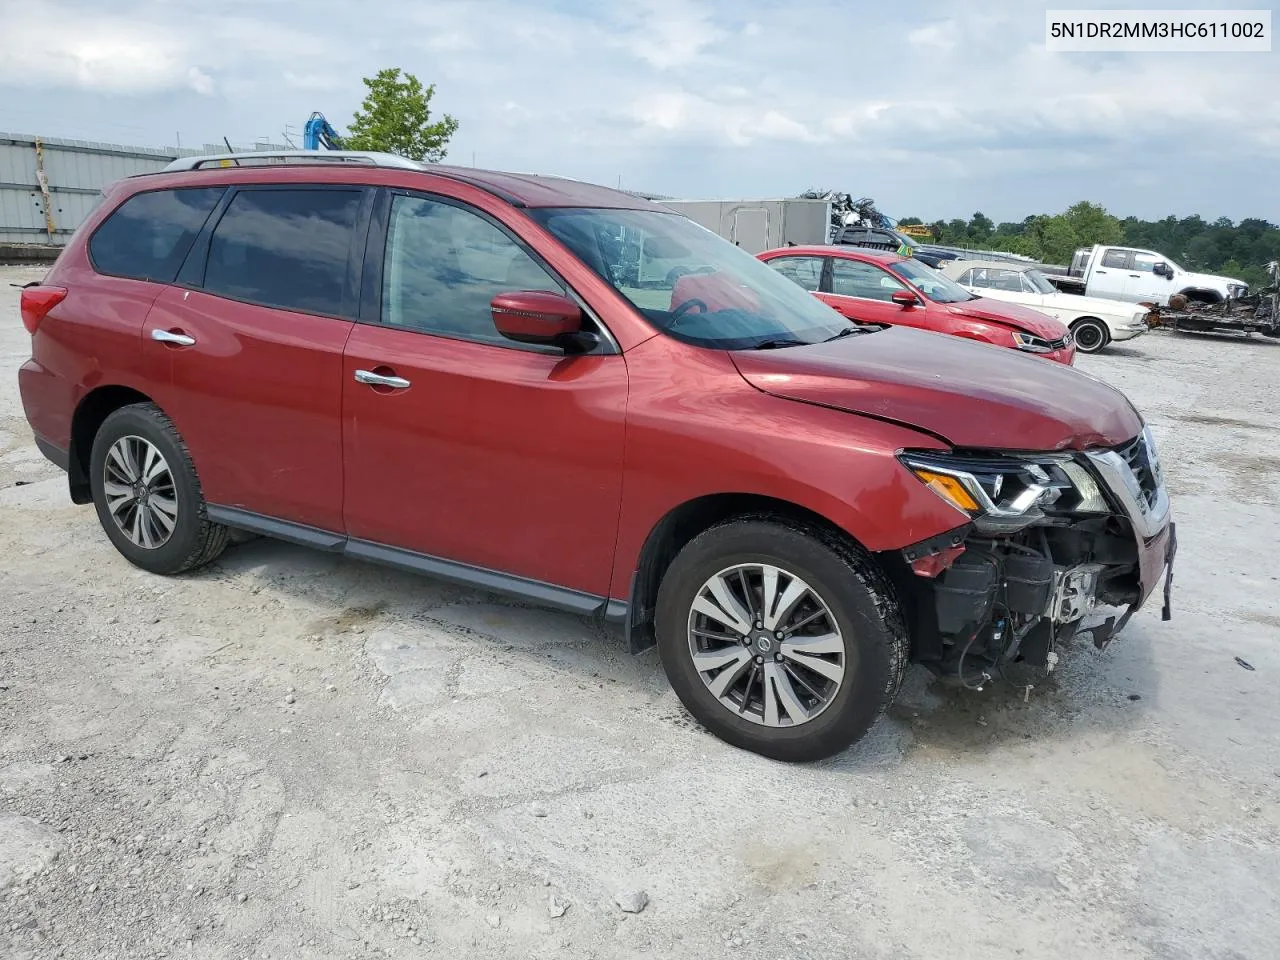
pixel 295 756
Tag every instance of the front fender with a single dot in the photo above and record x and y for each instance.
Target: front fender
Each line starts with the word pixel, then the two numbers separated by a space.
pixel 730 438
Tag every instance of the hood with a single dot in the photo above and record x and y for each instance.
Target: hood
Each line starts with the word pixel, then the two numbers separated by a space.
pixel 1207 280
pixel 1011 315
pixel 1095 305
pixel 971 394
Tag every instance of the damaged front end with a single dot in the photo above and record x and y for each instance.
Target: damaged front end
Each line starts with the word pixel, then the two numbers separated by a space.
pixel 1054 541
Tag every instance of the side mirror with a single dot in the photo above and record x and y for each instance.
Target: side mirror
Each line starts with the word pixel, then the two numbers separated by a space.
pixel 541 317
pixel 905 299
pixel 1162 269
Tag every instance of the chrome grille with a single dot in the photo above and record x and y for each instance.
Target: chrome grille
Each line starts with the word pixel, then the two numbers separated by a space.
pixel 1138 457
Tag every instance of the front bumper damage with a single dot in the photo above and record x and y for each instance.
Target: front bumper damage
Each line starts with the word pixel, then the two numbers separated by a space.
pixel 986 596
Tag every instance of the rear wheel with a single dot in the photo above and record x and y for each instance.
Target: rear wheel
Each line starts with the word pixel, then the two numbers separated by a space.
pixel 1091 335
pixel 780 639
pixel 147 494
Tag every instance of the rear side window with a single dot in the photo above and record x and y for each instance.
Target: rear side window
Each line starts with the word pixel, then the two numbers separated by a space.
pixel 805 271
pixel 1115 258
pixel 148 235
pixel 285 248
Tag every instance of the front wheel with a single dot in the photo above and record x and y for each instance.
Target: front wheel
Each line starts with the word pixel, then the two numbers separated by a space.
pixel 780 639
pixel 1091 335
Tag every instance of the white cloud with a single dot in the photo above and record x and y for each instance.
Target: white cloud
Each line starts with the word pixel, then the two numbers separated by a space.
pixel 940 36
pixel 199 81
pixel 944 102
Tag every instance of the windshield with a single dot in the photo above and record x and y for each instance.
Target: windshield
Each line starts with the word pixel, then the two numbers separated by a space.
pixel 1038 282
pixel 688 282
pixel 931 283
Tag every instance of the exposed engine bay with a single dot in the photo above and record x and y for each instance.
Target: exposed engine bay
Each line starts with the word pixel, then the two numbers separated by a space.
pixel 1055 542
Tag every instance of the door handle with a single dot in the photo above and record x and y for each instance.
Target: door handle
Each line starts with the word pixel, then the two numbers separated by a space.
pixel 168 336
pixel 1136 276
pixel 1099 271
pixel 381 380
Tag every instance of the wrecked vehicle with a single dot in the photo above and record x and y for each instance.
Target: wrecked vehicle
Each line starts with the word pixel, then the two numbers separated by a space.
pixel 1257 312
pixel 482 377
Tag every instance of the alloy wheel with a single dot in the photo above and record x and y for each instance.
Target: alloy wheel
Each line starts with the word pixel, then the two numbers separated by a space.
pixel 766 645
pixel 139 490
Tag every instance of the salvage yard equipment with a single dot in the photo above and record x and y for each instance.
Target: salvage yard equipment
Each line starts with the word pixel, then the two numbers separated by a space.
pixel 1257 312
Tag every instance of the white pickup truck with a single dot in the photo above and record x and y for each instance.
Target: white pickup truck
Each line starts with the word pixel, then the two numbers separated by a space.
pixel 1140 276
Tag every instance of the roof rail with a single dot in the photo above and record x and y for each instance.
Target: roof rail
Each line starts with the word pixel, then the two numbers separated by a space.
pixel 271 157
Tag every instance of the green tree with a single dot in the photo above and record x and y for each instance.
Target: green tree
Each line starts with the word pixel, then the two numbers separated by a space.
pixel 910 222
pixel 396 117
pixel 980 227
pixel 1091 224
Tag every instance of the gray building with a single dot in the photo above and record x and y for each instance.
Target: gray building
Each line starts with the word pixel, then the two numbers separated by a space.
pixel 48 186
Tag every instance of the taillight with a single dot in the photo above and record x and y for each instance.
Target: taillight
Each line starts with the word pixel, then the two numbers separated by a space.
pixel 38 301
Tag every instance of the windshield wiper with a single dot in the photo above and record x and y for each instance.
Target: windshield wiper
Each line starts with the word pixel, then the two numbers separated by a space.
pixel 849 331
pixel 777 342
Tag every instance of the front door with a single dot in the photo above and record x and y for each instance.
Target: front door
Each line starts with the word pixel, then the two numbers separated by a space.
pixel 462 445
pixel 862 291
pixel 251 350
pixel 1109 276
pixel 1141 282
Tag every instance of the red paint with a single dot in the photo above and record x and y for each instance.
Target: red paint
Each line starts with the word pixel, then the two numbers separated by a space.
pixel 257 401
pixel 969 394
pixel 531 462
pixel 497 457
pixel 535 316
pixel 983 319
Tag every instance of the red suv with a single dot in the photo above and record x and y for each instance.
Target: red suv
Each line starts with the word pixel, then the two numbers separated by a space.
pixel 874 287
pixel 565 393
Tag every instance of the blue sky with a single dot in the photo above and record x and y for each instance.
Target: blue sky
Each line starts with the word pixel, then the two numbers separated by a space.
pixel 935 109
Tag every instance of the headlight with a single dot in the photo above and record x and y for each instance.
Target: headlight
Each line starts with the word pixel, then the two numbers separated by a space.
pixel 1031 344
pixel 1008 492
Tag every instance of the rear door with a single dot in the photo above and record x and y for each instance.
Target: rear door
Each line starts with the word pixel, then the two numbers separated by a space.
pixel 804 271
pixel 469 447
pixel 863 291
pixel 252 339
pixel 1110 273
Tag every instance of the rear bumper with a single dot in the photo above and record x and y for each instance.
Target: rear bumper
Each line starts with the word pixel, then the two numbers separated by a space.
pixel 53 453
pixel 48 402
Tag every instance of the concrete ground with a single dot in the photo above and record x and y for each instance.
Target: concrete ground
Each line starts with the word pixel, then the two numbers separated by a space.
pixel 290 755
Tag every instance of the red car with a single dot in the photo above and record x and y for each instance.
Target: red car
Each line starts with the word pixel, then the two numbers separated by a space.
pixel 874 287
pixel 573 396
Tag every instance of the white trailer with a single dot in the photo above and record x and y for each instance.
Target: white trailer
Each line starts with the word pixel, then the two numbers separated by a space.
pixel 759 225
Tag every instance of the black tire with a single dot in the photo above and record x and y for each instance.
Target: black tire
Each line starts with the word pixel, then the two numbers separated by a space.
pixel 1091 335
pixel 854 589
pixel 194 540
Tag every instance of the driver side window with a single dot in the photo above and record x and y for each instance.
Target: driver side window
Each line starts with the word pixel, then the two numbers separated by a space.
pixel 445 263
pixel 853 278
pixel 1144 262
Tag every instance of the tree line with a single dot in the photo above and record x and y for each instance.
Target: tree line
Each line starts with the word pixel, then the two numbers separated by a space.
pixel 1222 246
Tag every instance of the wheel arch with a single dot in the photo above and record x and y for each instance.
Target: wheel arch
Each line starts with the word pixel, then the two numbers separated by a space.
pixel 94 408
pixel 1202 295
pixel 686 521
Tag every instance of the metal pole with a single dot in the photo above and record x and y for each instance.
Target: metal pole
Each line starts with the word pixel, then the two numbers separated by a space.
pixel 43 179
